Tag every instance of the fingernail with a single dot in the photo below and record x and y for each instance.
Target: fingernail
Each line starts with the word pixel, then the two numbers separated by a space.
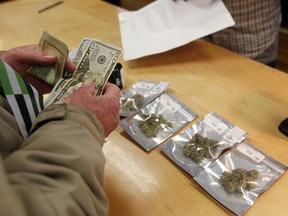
pixel 49 57
pixel 88 82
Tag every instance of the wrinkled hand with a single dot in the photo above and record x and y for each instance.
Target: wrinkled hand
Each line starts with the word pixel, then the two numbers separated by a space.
pixel 104 107
pixel 21 58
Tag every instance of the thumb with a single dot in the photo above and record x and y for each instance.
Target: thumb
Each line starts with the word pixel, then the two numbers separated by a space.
pixel 86 90
pixel 46 59
pixel 88 87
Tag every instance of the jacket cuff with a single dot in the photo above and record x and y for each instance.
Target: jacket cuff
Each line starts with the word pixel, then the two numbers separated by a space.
pixel 77 114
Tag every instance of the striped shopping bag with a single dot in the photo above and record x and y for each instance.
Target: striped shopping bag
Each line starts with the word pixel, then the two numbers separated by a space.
pixel 24 100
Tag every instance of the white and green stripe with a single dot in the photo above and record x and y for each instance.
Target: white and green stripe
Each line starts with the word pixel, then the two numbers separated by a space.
pixel 24 100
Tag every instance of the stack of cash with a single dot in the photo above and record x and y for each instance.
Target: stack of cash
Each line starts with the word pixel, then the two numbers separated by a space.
pixel 94 60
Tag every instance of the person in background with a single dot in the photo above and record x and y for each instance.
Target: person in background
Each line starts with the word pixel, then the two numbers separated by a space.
pixel 59 168
pixel 256 29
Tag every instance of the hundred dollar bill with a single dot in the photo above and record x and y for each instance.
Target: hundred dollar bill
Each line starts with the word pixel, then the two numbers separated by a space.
pixel 97 63
pixel 52 46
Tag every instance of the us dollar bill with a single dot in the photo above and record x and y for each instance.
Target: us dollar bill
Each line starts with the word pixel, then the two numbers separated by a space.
pixel 52 46
pixel 81 49
pixel 63 89
pixel 96 63
pixel 94 60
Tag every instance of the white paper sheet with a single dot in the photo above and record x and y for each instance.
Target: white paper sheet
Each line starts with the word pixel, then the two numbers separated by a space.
pixel 166 24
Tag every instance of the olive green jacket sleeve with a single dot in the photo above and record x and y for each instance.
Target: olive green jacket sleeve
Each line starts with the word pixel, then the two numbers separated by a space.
pixel 58 169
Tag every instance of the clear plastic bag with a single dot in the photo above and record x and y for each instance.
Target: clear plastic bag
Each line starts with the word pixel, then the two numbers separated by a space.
pixel 238 192
pixel 202 143
pixel 157 121
pixel 139 95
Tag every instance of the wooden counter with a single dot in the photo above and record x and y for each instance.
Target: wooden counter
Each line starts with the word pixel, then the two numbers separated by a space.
pixel 204 77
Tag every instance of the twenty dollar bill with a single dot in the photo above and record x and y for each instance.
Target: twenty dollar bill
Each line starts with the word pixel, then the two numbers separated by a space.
pixel 97 63
pixel 94 60
pixel 52 46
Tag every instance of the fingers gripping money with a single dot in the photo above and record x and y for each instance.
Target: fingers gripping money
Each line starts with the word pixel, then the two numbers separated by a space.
pixel 94 60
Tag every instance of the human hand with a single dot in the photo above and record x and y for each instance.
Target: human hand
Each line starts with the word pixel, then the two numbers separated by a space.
pixel 105 107
pixel 21 58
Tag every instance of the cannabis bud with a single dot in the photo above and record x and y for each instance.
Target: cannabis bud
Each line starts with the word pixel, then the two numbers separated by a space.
pixel 238 179
pixel 134 103
pixel 152 124
pixel 199 147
